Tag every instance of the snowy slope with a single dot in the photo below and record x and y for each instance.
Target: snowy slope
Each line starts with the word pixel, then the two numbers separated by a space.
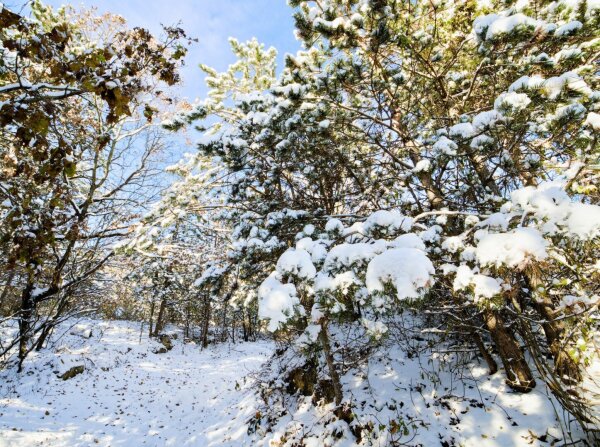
pixel 128 395
pixel 412 391
pixel 397 400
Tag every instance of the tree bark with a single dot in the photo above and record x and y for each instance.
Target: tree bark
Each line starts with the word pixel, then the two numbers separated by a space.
pixel 25 316
pixel 518 374
pixel 46 331
pixel 160 319
pixel 245 325
pixel 50 324
pixel 564 365
pixel 206 322
pixel 6 288
pixel 150 332
pixel 224 333
pixel 491 363
pixel 233 327
pixel 566 368
pixel 335 378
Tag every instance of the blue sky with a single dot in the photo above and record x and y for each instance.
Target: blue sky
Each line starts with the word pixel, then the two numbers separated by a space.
pixel 212 22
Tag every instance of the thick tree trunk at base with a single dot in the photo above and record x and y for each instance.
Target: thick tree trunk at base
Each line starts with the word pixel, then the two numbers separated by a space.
pixel 519 376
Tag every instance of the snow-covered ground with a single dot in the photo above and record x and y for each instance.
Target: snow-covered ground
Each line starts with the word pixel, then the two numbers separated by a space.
pixel 128 395
pixel 397 400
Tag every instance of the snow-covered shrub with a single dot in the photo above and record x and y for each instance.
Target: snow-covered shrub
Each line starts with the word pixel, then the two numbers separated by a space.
pixel 354 280
pixel 360 275
pixel 538 255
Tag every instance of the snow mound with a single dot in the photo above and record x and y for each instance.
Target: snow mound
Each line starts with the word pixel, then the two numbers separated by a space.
pixel 407 269
pixel 276 301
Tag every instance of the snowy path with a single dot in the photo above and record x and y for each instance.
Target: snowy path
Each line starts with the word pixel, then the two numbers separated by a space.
pixel 128 395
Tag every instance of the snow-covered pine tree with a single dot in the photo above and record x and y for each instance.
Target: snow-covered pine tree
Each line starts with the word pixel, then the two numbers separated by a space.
pixel 471 120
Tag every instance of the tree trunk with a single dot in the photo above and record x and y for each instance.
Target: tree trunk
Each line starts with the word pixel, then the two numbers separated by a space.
pixel 224 334
pixel 160 319
pixel 517 370
pixel 245 324
pixel 50 324
pixel 335 378
pixel 491 363
pixel 476 337
pixel 6 288
pixel 233 327
pixel 566 368
pixel 186 333
pixel 25 316
pixel 206 322
pixel 564 365
pixel 150 319
pixel 46 331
